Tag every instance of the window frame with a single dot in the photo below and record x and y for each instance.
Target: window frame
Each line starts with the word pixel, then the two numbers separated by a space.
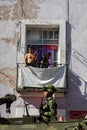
pixel 43 24
pixel 61 58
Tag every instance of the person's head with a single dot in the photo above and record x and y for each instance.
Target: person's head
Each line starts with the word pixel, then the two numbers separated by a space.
pixel 49 54
pixel 30 49
pixel 49 89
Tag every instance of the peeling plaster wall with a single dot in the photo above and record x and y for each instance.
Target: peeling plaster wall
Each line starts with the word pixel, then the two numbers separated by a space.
pixel 77 49
pixel 53 9
pixel 11 11
pixel 73 11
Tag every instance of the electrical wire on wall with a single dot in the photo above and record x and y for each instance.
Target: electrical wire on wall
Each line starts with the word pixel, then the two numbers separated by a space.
pixel 20 7
pixel 67 8
pixel 23 14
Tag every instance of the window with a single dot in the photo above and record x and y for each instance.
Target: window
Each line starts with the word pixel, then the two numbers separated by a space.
pixel 40 33
pixel 34 36
pixel 43 40
pixel 45 36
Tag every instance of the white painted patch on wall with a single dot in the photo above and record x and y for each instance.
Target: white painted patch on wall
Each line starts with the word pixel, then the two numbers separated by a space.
pixel 7 28
pixel 7 55
pixel 52 9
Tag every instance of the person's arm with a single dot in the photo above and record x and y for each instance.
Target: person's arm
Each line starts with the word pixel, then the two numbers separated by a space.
pixel 52 108
pixel 42 60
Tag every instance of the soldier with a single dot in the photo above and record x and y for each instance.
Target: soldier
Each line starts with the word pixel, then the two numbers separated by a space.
pixel 8 99
pixel 49 109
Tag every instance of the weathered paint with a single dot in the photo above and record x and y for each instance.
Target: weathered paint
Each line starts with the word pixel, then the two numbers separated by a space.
pixel 74 12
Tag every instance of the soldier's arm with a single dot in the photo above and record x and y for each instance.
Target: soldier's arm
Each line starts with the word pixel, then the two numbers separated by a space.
pixel 52 109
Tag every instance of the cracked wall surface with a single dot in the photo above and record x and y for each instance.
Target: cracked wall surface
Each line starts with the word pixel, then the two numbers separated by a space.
pixel 74 12
pixel 11 11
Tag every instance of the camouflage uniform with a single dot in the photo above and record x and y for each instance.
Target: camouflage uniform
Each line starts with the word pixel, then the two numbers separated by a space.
pixel 49 109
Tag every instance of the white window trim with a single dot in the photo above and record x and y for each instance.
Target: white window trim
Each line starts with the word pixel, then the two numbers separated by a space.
pixel 40 23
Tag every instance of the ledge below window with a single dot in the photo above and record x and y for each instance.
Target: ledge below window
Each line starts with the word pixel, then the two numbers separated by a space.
pixel 33 92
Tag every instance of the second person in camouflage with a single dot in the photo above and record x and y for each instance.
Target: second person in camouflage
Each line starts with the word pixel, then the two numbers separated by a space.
pixel 49 109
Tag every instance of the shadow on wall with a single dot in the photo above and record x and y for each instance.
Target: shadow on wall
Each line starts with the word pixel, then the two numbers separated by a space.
pixel 75 79
pixel 78 56
pixel 76 98
pixel 68 42
pixel 83 61
pixel 79 100
pixel 68 49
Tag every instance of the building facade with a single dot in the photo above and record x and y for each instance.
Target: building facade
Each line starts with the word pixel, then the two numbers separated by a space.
pixel 20 20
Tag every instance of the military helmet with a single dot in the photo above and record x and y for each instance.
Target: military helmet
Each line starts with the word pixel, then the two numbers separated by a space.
pixel 10 97
pixel 49 88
